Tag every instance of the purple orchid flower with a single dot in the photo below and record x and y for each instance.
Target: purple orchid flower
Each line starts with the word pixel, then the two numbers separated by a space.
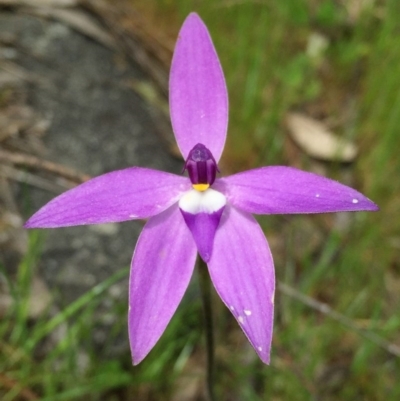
pixel 200 213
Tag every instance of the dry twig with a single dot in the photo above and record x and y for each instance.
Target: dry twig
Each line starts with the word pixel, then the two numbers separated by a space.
pixel 34 180
pixel 25 393
pixel 138 41
pixel 22 159
pixel 342 319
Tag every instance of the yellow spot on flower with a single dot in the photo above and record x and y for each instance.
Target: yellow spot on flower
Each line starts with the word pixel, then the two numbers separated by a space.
pixel 201 187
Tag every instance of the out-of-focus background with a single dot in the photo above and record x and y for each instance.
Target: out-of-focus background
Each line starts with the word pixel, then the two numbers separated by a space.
pixel 313 84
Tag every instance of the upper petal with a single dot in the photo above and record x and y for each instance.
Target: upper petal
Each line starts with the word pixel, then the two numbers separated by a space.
pixel 133 193
pixel 198 97
pixel 242 270
pixel 277 189
pixel 161 269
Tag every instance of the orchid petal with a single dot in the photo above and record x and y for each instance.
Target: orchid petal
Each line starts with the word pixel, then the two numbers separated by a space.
pixel 286 190
pixel 202 211
pixel 198 95
pixel 161 269
pixel 242 270
pixel 133 193
pixel 203 227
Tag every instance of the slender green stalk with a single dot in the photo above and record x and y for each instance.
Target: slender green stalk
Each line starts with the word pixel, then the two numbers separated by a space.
pixel 205 289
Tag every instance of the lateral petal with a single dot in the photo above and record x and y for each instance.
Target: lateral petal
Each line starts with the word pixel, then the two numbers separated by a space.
pixel 161 269
pixel 242 270
pixel 132 193
pixel 198 96
pixel 286 190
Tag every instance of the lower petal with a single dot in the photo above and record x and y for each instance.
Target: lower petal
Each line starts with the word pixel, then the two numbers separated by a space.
pixel 203 227
pixel 202 211
pixel 242 270
pixel 161 269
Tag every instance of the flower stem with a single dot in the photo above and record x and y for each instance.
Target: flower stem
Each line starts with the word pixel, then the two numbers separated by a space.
pixel 205 289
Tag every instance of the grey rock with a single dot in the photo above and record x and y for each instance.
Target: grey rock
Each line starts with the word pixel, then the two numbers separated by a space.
pixel 97 124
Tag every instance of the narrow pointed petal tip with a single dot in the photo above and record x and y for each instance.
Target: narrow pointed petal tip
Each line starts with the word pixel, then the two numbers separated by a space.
pixel 286 190
pixel 133 193
pixel 242 271
pixel 198 95
pixel 161 268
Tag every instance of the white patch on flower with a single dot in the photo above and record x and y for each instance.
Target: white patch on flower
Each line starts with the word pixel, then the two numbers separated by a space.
pixel 232 307
pixel 355 200
pixel 317 195
pixel 273 298
pixel 259 348
pixel 208 201
pixel 240 319
pixel 247 312
pixel 132 216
